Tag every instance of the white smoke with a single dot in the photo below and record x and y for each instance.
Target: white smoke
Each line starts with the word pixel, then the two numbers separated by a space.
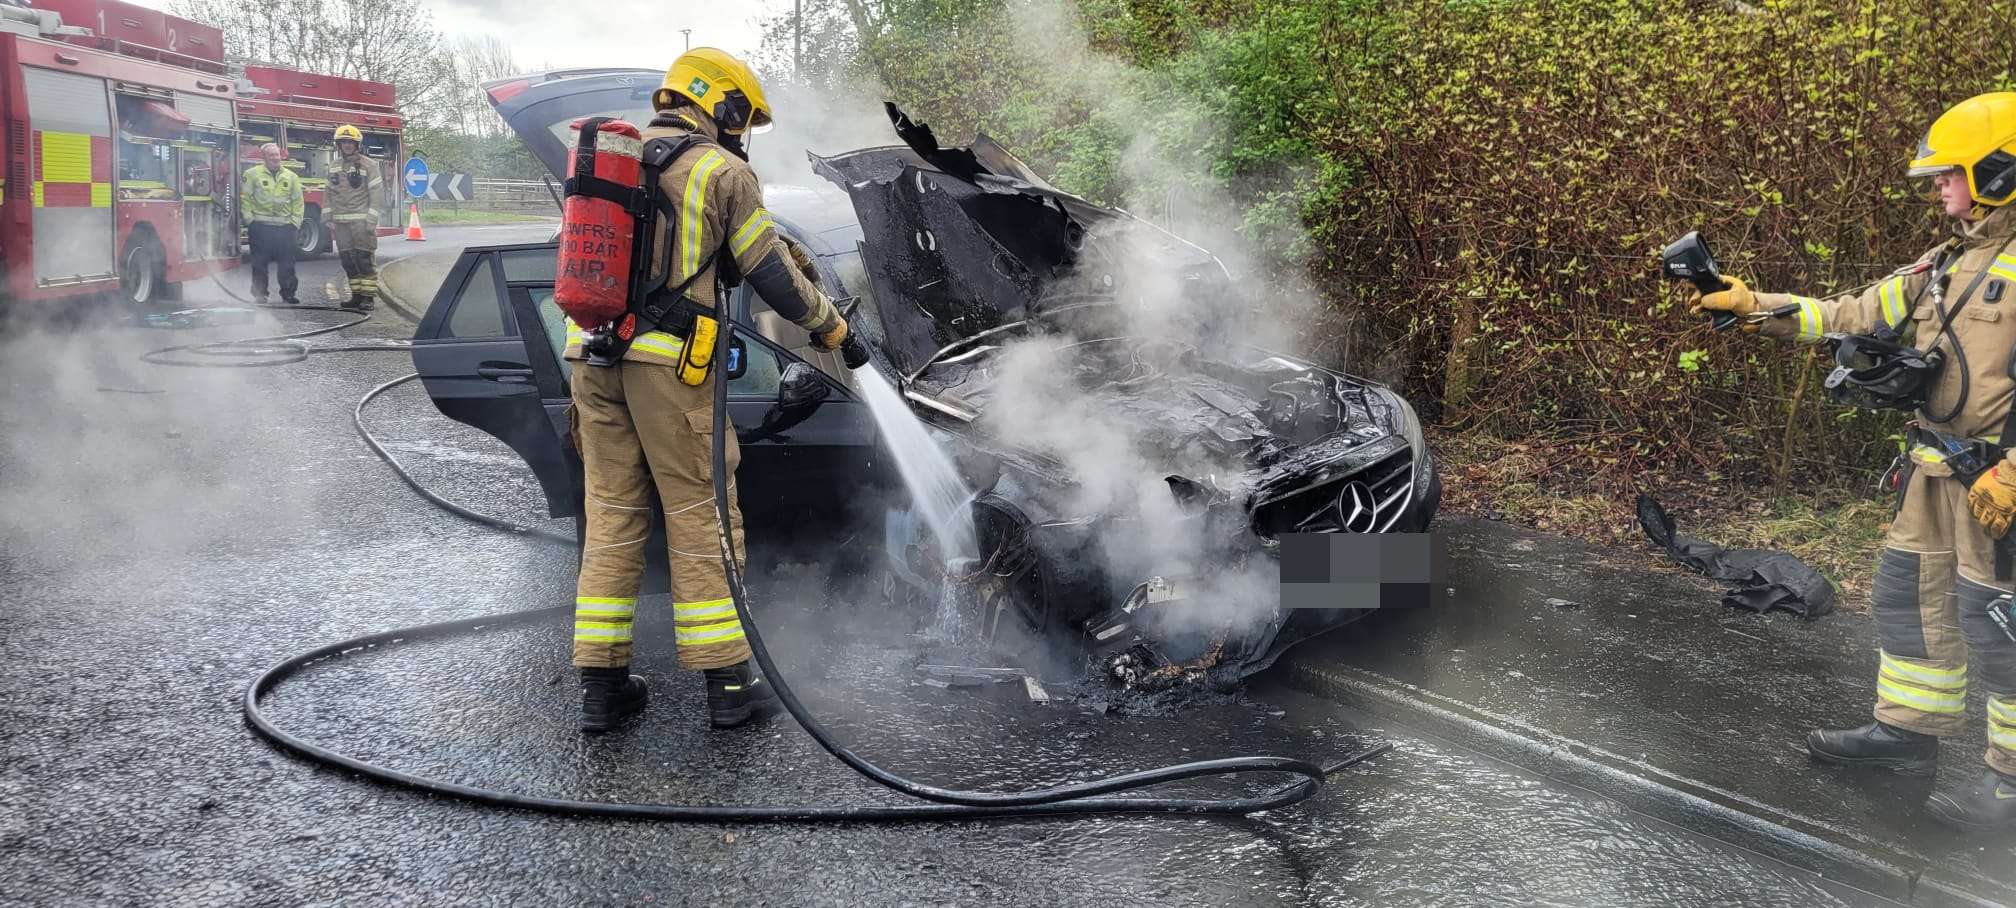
pixel 1117 458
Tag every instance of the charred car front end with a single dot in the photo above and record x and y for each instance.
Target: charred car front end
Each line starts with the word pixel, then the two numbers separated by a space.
pixel 1135 464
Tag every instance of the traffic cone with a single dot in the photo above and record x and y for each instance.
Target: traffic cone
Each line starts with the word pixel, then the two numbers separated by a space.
pixel 413 224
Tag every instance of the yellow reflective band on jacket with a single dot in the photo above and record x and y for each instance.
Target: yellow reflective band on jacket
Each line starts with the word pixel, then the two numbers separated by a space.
pixel 355 216
pixel 1943 679
pixel 710 633
pixel 692 222
pixel 659 342
pixel 1809 319
pixel 1923 700
pixel 702 611
pixel 2003 266
pixel 751 229
pixel 1893 302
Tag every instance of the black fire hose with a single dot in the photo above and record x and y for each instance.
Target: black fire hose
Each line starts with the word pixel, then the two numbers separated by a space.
pixel 1076 799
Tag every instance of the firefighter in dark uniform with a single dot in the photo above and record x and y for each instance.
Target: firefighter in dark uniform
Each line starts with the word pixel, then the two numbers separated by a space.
pixel 350 211
pixel 1939 587
pixel 646 421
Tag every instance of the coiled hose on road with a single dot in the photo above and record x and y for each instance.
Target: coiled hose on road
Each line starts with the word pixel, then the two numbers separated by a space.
pixel 1075 799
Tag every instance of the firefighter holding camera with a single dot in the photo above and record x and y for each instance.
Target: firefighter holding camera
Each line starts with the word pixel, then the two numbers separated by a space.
pixel 1941 591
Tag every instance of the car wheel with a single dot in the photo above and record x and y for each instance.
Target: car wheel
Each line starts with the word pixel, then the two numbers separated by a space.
pixel 1012 592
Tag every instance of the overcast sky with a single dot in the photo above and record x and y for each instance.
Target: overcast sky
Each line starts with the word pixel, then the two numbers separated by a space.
pixel 603 33
pixel 608 32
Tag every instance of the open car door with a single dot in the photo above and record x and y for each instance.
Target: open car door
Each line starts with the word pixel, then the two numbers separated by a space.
pixel 483 356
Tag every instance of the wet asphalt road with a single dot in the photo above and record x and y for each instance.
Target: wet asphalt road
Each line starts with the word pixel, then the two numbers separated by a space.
pixel 168 533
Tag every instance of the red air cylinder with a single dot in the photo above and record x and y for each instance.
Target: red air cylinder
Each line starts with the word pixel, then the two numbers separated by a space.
pixel 597 234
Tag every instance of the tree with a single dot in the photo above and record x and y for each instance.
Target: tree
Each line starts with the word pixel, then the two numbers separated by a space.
pixel 470 63
pixel 380 40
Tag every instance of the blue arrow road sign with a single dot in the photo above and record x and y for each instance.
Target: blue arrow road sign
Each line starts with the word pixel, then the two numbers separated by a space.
pixel 415 176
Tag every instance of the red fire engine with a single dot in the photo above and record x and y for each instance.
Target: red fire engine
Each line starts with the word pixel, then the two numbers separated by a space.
pixel 118 136
pixel 300 112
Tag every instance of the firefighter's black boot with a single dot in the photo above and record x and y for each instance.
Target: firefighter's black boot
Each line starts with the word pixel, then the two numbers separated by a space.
pixel 1878 746
pixel 736 695
pixel 1985 803
pixel 608 696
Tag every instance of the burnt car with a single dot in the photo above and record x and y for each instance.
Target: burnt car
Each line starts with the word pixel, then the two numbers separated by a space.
pixel 1126 482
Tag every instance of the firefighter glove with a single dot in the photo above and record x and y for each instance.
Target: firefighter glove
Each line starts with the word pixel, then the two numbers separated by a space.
pixel 1993 501
pixel 803 260
pixel 833 337
pixel 853 350
pixel 1737 300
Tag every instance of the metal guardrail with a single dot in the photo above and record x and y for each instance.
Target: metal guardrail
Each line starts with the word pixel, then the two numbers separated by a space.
pixel 529 196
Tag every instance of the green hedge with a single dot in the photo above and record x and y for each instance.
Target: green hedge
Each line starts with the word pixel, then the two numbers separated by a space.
pixel 1479 188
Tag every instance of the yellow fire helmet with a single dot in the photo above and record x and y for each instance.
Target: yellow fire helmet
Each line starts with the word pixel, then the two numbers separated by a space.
pixel 718 83
pixel 1978 136
pixel 347 131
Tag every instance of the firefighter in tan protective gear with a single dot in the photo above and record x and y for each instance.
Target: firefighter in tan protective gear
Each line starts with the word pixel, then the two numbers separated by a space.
pixel 350 212
pixel 1938 588
pixel 640 424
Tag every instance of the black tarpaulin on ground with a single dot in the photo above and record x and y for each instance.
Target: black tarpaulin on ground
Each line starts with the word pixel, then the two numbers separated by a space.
pixel 1764 579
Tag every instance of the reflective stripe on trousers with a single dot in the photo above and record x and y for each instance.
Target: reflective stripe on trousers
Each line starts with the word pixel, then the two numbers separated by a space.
pixel 604 619
pixel 666 447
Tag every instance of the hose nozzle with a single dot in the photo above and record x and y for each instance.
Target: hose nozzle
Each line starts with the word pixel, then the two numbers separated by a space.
pixel 854 351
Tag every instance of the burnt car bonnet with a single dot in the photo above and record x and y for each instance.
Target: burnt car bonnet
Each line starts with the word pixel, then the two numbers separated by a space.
pixel 964 239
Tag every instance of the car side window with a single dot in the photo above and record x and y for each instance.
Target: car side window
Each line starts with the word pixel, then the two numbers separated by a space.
pixel 854 283
pixel 764 376
pixel 530 266
pixel 479 310
pixel 555 324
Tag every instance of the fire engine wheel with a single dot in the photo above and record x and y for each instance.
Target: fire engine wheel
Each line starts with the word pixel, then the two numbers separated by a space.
pixel 143 272
pixel 312 239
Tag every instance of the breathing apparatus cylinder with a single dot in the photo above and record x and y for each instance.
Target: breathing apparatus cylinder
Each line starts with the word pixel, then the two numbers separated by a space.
pixel 598 233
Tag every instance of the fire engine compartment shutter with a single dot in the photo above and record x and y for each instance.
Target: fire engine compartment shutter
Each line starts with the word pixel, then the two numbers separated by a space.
pixel 70 144
pixel 205 112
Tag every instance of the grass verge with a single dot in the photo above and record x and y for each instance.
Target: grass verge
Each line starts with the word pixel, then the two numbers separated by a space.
pixel 1837 532
pixel 478 216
